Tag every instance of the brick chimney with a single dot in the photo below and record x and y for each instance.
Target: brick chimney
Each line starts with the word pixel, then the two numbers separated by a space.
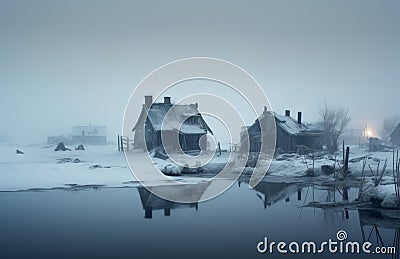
pixel 148 101
pixel 167 100
pixel 299 117
pixel 287 113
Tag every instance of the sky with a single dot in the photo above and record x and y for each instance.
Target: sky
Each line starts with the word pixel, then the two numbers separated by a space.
pixel 67 63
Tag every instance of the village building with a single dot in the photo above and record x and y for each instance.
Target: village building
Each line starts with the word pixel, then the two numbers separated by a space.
pixel 96 135
pixel 291 134
pixel 184 122
pixel 395 136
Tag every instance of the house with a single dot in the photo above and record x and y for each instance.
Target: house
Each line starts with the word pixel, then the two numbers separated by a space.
pixel 184 123
pixel 89 135
pixel 395 136
pixel 290 133
pixel 354 136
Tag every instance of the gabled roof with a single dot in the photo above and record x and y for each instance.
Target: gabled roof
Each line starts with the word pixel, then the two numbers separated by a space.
pixel 287 123
pixel 179 113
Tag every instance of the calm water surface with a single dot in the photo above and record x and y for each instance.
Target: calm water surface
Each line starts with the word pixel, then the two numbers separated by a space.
pixel 132 223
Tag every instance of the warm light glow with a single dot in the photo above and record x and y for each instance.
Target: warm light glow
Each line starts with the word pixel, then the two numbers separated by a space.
pixel 368 133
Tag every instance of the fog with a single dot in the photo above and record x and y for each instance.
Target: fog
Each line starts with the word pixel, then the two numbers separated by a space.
pixel 67 63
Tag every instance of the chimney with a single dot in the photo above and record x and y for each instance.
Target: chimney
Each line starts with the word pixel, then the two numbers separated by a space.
pixel 148 100
pixel 167 100
pixel 299 117
pixel 287 113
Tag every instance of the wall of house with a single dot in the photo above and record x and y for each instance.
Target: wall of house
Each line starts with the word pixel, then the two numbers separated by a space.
pixel 95 140
pixel 395 137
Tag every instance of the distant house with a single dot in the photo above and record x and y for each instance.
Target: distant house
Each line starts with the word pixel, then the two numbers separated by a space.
pixel 290 133
pixel 147 130
pixel 353 136
pixel 395 136
pixel 89 135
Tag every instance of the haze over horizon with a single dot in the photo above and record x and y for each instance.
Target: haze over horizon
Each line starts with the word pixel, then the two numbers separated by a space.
pixel 67 63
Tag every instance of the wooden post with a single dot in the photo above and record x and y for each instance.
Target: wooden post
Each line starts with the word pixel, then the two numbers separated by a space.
pixel 122 144
pixel 219 148
pixel 119 145
pixel 343 152
pixel 346 162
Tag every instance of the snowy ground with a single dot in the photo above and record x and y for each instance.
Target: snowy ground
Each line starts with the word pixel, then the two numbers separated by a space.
pixel 42 167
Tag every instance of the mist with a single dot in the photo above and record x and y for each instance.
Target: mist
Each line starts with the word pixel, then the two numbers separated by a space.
pixel 67 63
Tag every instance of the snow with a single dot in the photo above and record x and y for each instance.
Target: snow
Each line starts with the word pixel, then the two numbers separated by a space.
pixel 382 195
pixel 102 165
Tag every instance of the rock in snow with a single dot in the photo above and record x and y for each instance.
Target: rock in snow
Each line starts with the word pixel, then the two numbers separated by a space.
pixel 80 147
pixel 19 152
pixel 61 147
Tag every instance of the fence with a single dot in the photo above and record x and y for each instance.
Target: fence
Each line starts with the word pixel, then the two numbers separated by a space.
pixel 123 143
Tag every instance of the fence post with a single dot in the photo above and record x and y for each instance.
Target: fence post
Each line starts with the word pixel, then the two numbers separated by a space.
pixel 122 144
pixel 343 152
pixel 346 162
pixel 119 145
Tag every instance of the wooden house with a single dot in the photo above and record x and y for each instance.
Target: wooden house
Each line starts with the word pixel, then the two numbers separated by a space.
pixel 291 134
pixel 96 135
pixel 184 122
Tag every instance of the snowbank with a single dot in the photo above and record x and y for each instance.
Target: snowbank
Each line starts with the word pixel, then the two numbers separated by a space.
pixel 382 196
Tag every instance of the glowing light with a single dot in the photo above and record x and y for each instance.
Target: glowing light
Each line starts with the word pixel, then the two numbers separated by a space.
pixel 368 133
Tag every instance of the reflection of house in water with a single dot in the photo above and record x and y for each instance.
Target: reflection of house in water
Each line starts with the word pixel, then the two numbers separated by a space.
pixel 152 202
pixel 275 192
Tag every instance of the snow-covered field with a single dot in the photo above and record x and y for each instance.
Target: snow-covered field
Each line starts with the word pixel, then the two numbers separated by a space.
pixel 42 167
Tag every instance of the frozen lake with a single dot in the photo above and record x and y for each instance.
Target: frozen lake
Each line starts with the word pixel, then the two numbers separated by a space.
pixel 132 223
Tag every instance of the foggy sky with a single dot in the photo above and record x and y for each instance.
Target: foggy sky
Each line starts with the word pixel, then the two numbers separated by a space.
pixel 66 63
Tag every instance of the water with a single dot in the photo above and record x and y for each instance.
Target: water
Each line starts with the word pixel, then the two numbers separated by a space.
pixel 119 223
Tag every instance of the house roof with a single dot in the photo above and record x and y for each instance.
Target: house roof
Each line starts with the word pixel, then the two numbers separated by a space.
pixel 289 124
pixel 179 113
pixel 89 131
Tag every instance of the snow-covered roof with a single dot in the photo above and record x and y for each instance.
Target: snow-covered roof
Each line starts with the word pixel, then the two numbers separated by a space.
pixel 179 113
pixel 89 131
pixel 289 124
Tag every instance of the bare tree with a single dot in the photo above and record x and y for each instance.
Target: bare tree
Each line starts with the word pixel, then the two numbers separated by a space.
pixel 389 124
pixel 334 121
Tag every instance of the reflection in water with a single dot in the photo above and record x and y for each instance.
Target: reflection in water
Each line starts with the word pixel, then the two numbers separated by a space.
pixel 152 202
pixel 374 222
pixel 272 192
pixel 114 223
